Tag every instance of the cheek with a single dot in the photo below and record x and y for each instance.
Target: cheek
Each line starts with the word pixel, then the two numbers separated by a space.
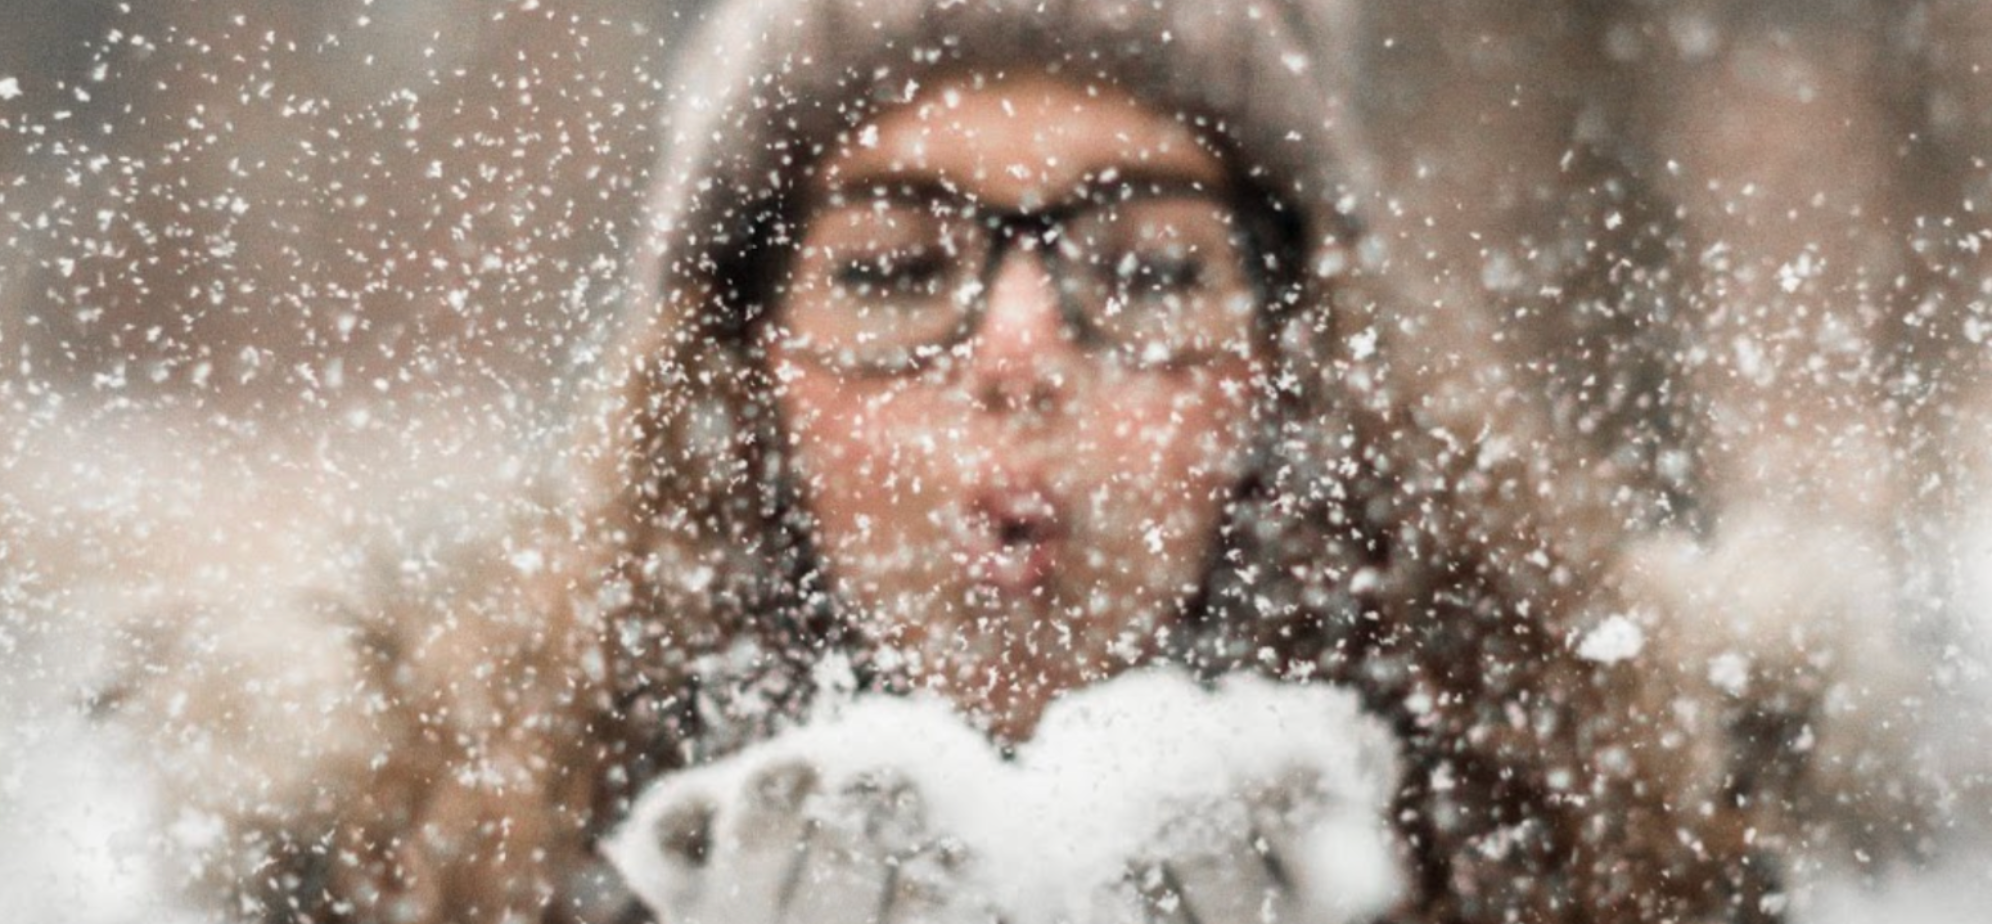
pixel 875 459
pixel 1168 443
pixel 1164 463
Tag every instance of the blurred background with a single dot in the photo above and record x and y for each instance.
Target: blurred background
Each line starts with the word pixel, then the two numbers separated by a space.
pixel 262 209
pixel 274 274
pixel 276 279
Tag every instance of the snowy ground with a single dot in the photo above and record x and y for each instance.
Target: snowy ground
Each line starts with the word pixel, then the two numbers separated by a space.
pixel 1957 891
pixel 107 527
pixel 1958 888
pixel 85 846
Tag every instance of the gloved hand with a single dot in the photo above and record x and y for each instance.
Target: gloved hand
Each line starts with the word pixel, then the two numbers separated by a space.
pixel 1227 859
pixel 828 825
pixel 1146 799
pixel 1250 803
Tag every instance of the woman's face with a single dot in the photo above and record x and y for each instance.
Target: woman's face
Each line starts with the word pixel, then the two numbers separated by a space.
pixel 1016 358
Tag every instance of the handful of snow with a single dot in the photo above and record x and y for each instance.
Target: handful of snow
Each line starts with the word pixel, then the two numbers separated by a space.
pixel 1147 798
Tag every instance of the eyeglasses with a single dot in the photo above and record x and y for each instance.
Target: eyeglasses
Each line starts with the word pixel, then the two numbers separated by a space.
pixel 887 281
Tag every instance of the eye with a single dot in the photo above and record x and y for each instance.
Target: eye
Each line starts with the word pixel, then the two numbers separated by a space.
pixel 891 273
pixel 876 250
pixel 1159 272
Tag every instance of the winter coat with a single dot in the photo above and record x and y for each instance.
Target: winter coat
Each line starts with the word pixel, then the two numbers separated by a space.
pixel 1421 530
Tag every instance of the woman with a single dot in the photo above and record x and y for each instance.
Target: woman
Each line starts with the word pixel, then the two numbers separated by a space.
pixel 992 349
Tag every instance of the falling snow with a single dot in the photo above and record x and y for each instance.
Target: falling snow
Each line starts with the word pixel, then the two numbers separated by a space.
pixel 589 461
pixel 1614 640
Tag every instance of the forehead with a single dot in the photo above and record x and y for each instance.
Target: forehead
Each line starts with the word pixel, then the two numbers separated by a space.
pixel 1018 141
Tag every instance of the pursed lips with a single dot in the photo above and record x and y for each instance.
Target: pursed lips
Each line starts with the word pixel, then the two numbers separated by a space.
pixel 1014 539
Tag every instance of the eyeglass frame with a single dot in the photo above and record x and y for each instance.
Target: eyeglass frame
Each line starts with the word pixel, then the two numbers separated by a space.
pixel 1040 228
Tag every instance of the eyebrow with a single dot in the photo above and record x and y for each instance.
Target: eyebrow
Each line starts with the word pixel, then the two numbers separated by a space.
pixel 918 186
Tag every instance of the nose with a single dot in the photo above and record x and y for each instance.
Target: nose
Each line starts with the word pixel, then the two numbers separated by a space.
pixel 1022 361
